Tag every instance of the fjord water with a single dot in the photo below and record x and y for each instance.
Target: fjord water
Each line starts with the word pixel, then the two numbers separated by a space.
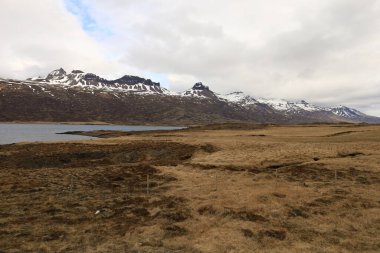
pixel 13 133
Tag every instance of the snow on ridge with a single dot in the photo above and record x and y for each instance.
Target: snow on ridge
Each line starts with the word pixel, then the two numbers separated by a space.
pixel 308 107
pixel 170 93
pixel 277 104
pixel 346 112
pixel 284 105
pixel 192 93
pixel 100 86
pixel 87 81
pixel 238 97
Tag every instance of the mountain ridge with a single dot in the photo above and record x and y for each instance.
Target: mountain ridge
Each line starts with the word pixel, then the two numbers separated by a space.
pixel 60 88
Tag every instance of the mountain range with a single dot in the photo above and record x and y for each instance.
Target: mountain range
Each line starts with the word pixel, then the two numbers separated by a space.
pixel 85 97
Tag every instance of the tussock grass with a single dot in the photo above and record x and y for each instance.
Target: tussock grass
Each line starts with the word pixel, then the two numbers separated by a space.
pixel 212 189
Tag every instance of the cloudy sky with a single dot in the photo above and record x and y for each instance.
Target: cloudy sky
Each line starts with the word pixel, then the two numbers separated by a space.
pixel 323 51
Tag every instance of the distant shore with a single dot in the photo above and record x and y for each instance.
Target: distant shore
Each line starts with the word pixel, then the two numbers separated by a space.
pixel 58 123
pixel 100 123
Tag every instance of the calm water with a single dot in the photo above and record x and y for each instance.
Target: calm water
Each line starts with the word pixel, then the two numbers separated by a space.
pixel 12 133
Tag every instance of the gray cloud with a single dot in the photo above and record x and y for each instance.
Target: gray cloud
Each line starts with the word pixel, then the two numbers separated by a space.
pixel 325 51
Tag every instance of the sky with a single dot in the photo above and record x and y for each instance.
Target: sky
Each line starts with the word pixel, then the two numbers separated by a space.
pixel 326 52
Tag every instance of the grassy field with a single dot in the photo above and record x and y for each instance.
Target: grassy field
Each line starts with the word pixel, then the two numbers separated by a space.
pixel 222 188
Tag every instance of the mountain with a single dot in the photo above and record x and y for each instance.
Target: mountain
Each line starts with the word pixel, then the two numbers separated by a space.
pixel 88 81
pixel 200 91
pixel 78 96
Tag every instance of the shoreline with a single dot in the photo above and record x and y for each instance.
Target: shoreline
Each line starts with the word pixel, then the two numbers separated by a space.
pixel 30 133
pixel 55 123
pixel 90 123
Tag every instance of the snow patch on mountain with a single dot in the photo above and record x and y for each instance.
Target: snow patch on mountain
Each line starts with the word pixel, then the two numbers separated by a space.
pixel 284 105
pixel 346 112
pixel 199 90
pixel 193 93
pixel 238 97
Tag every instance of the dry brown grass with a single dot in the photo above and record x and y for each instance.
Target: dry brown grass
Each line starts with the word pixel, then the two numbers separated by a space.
pixel 309 188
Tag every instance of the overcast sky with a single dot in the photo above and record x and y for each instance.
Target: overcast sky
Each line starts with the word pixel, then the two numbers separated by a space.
pixel 324 51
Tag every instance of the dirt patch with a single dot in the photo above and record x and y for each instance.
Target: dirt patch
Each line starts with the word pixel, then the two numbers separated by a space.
pixel 325 201
pixel 279 195
pixel 209 148
pixel 174 230
pixel 98 204
pixel 341 133
pixel 207 210
pixel 298 212
pixel 245 215
pixel 319 172
pixel 79 155
pixel 349 153
pixel 281 165
pixel 222 167
pixel 275 234
pixel 176 216
pixel 247 233
pixel 55 235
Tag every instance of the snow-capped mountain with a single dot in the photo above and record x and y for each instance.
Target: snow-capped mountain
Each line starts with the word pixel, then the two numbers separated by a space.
pixel 199 91
pixel 291 107
pixel 347 112
pixel 79 96
pixel 79 79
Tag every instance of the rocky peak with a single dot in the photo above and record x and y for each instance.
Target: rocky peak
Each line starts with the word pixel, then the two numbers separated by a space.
pixel 90 76
pixel 77 71
pixel 131 80
pixel 200 90
pixel 200 86
pixel 56 74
